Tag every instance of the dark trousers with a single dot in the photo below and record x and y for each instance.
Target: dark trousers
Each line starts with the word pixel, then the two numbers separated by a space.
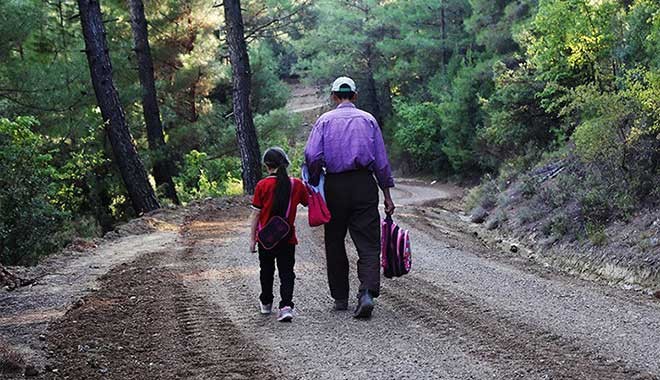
pixel 352 199
pixel 284 255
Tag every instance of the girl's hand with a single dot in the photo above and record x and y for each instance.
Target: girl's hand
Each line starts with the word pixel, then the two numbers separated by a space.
pixel 253 246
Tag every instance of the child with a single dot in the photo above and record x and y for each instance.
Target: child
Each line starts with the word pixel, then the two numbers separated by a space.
pixel 272 196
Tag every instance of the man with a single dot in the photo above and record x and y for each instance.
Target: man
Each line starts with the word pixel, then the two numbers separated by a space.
pixel 348 144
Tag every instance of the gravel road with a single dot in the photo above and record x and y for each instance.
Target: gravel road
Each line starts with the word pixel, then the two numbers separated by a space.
pixel 464 312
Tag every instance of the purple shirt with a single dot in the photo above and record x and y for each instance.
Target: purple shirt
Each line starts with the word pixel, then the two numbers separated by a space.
pixel 346 139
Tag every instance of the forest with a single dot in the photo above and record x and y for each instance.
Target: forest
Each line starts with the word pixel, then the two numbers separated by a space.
pixel 107 115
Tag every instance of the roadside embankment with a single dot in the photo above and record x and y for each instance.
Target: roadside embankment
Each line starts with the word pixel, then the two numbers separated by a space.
pixel 549 216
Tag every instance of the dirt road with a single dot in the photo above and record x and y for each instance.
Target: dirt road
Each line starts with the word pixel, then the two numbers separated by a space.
pixel 464 312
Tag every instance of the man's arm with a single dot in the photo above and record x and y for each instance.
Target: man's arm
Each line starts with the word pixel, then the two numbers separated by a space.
pixel 314 157
pixel 382 169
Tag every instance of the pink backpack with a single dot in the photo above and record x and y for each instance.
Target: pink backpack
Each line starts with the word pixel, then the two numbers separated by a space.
pixel 396 254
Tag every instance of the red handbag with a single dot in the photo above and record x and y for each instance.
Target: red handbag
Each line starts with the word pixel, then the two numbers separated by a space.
pixel 317 209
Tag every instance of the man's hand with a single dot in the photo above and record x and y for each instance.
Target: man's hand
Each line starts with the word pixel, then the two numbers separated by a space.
pixel 253 246
pixel 389 204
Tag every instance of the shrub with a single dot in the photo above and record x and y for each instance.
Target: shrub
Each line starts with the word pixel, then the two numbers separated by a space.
pixel 528 187
pixel 560 225
pixel 461 116
pixel 516 119
pixel 596 234
pixel 529 214
pixel 268 91
pixel 203 177
pixel 418 134
pixel 484 195
pixel 616 137
pixel 278 127
pixel 29 220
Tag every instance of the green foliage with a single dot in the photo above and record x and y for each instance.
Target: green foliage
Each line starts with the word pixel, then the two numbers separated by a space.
pixel 516 120
pixel 484 195
pixel 30 222
pixel 572 41
pixel 417 132
pixel 283 128
pixel 278 127
pixel 492 23
pixel 560 225
pixel 462 115
pixel 596 234
pixel 268 91
pixel 17 20
pixel 618 132
pixel 203 177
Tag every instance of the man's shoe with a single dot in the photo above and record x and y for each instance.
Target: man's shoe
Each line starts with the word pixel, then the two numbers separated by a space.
pixel 365 305
pixel 286 314
pixel 341 305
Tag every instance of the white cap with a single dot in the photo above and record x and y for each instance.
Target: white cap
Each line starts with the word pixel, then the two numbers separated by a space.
pixel 341 81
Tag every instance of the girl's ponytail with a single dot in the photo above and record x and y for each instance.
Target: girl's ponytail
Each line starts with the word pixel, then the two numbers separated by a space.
pixel 276 158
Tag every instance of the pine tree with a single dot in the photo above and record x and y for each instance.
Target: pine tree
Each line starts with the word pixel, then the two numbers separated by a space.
pixel 130 166
pixel 246 133
pixel 163 169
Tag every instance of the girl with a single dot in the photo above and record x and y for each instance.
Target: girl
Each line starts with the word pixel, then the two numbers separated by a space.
pixel 277 195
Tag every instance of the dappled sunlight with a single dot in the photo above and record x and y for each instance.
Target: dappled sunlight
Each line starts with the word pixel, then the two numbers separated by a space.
pixel 220 274
pixel 210 229
pixel 38 316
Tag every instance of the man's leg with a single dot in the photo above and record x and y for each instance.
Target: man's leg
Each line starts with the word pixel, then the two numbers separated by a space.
pixel 266 273
pixel 364 226
pixel 335 233
pixel 286 260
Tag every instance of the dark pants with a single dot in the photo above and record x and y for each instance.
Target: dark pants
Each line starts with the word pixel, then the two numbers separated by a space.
pixel 284 255
pixel 352 199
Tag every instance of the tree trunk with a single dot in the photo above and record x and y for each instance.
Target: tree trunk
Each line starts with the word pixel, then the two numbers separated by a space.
pixel 163 169
pixel 130 166
pixel 372 87
pixel 443 28
pixel 240 66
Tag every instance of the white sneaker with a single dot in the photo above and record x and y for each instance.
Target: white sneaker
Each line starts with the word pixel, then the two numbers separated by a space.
pixel 286 314
pixel 266 309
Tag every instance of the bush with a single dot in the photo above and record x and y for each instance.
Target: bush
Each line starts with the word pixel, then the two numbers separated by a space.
pixel 418 134
pixel 30 223
pixel 560 225
pixel 516 120
pixel 596 234
pixel 268 91
pixel 202 177
pixel 462 115
pixel 484 195
pixel 616 137
pixel 278 127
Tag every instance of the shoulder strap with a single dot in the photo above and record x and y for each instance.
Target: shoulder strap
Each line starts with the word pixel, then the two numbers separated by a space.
pixel 288 208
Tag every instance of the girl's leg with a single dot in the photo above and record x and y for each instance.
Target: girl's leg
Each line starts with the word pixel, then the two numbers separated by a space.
pixel 286 259
pixel 266 273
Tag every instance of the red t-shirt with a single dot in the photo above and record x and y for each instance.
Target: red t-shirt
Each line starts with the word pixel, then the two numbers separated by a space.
pixel 264 195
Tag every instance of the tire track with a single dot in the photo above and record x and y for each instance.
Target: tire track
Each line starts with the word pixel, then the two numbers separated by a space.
pixel 522 350
pixel 214 347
